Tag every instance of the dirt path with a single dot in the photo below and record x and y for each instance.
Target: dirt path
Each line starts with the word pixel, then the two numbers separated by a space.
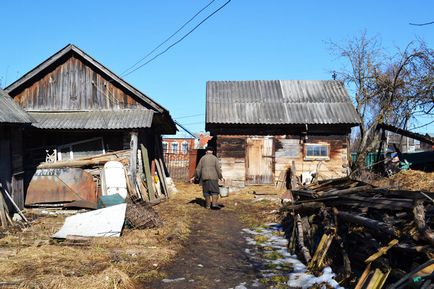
pixel 214 256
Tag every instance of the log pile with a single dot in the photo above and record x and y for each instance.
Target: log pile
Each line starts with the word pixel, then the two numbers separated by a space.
pixel 372 237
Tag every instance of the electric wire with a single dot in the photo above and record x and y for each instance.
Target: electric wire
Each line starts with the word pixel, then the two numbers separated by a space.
pixel 167 39
pixel 178 41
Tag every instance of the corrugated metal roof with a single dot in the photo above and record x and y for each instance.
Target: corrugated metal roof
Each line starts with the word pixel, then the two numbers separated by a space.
pixel 279 102
pixel 10 112
pixel 101 119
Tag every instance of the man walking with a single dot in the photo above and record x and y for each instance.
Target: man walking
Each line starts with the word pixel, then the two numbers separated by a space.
pixel 208 172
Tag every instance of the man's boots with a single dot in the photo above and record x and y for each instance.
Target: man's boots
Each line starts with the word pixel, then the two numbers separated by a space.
pixel 214 204
pixel 207 202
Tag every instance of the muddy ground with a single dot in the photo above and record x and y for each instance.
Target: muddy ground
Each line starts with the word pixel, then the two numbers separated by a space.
pixel 204 247
pixel 214 255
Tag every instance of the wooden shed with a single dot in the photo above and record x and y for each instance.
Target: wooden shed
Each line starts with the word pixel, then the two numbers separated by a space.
pixel 81 108
pixel 266 130
pixel 12 122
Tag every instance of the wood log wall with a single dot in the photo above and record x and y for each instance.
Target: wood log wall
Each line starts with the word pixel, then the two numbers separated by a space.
pixel 232 152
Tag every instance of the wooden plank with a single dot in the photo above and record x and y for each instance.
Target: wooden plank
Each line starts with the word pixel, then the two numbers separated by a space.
pixel 162 177
pixel 147 171
pixel 3 212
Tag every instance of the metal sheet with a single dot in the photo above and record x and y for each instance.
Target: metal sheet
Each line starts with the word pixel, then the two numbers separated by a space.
pixel 107 222
pixel 102 119
pixel 279 102
pixel 61 186
pixel 10 112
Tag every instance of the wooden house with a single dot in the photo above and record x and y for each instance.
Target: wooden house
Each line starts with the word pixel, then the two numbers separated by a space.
pixel 12 121
pixel 81 108
pixel 266 130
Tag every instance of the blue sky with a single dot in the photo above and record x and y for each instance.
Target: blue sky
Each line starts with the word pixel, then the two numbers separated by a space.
pixel 248 39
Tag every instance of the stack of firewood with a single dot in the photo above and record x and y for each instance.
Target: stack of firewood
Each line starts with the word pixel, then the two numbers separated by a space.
pixel 372 237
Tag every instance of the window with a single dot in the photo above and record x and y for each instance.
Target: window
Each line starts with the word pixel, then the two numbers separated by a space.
pixel 184 147
pixel 175 147
pixel 316 151
pixel 75 150
pixel 165 147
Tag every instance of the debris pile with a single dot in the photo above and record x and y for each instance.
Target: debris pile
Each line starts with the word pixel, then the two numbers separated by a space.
pixel 119 187
pixel 370 236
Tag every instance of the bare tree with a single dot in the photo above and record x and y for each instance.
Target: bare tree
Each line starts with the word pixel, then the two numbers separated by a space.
pixel 388 89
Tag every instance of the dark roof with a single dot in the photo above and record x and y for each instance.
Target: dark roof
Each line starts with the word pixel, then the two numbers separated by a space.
pixel 10 112
pixel 100 119
pixel 279 102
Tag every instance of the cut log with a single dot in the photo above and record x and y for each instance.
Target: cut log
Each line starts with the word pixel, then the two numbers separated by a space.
pixel 303 207
pixel 344 192
pixel 80 163
pixel 300 239
pixel 374 225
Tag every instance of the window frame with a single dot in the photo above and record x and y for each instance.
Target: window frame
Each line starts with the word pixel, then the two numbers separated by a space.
pixel 184 143
pixel 177 147
pixel 312 157
pixel 165 143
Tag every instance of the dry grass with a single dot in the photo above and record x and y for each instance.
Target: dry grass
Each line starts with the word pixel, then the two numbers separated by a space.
pixel 36 261
pixel 409 180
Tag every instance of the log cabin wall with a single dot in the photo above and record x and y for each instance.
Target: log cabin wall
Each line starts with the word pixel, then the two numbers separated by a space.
pixel 73 85
pixel 293 148
pixel 247 160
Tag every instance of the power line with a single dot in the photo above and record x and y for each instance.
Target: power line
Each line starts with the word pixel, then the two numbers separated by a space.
pixel 182 38
pixel 191 123
pixel 167 39
pixel 188 116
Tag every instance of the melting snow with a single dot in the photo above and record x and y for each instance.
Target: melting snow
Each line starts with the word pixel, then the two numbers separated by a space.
pixel 297 273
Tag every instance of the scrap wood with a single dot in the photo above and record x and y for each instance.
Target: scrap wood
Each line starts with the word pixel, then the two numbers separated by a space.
pixel 4 213
pixel 300 239
pixel 147 172
pixel 142 216
pixel 80 163
pixel 343 192
pixel 13 203
pixel 302 206
pixel 381 251
pixel 316 262
pixel 376 226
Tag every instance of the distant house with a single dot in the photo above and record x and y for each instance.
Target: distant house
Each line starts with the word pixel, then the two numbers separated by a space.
pixel 427 146
pixel 262 129
pixel 180 145
pixel 81 109
pixel 12 121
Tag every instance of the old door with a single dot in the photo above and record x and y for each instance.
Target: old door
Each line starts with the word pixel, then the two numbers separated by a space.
pixel 259 161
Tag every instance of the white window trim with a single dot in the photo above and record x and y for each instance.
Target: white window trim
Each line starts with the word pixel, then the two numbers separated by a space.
pixel 177 147
pixel 182 147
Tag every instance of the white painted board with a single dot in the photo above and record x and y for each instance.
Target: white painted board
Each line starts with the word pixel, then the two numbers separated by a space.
pixel 107 222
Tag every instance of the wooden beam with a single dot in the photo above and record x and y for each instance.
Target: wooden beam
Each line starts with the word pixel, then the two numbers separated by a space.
pixel 407 133
pixel 147 171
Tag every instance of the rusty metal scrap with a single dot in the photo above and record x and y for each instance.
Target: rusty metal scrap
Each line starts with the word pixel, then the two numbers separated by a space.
pixel 61 186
